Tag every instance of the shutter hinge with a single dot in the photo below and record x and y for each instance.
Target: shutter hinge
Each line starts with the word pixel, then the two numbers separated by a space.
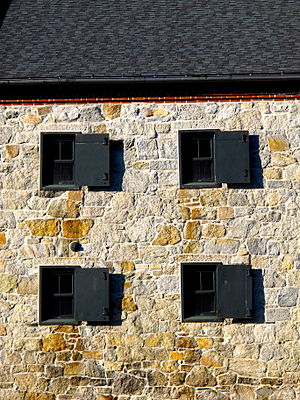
pixel 105 276
pixel 245 138
pixel 104 141
pixel 246 173
pixel 105 176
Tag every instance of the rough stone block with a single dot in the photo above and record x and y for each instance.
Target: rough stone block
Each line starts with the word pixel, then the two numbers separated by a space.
pixel 192 230
pixel 213 230
pixel 111 110
pixel 43 227
pixel 278 143
pixel 76 228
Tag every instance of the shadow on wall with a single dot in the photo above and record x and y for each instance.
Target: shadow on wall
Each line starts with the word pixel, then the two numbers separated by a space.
pixel 258 296
pixel 256 171
pixel 116 290
pixel 3 9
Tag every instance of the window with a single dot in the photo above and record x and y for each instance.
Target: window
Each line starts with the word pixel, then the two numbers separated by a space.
pixel 209 158
pixel 69 295
pixel 213 291
pixel 71 160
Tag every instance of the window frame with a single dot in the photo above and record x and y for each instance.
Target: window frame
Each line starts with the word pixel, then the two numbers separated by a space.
pixel 47 183
pixel 233 292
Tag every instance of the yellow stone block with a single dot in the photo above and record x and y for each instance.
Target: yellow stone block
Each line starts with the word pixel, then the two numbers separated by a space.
pixel 165 339
pixel 113 366
pixel 127 266
pixel 273 173
pixel 8 283
pixel 282 160
pixel 75 195
pixel 77 228
pixel 213 230
pixel 169 235
pixel 115 339
pixel 12 150
pixel 112 110
pixel 192 230
pixel 128 304
pixel 193 247
pixel 225 213
pixel 43 227
pixel 278 143
pixel 93 354
pixel 185 212
pixel 140 165
pixel 204 343
pixel 101 128
pixel 44 110
pixel 54 342
pixel 272 199
pixel 213 197
pixel 2 238
pixel 176 355
pixel 31 119
pixel 157 112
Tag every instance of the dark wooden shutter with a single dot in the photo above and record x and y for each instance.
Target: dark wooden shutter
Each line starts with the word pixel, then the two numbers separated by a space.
pixel 232 157
pixel 234 291
pixel 91 160
pixel 91 294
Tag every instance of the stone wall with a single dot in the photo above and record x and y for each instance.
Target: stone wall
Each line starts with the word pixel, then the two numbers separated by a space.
pixel 142 228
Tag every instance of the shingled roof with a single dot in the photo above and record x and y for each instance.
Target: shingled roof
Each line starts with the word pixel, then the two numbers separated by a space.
pixel 140 39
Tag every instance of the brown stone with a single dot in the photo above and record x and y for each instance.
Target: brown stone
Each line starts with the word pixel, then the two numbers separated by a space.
pixel 128 304
pixel 156 112
pixel 211 359
pixel 191 356
pixel 192 230
pixel 101 128
pixel 177 379
pixel 2 330
pixel 66 329
pixel 278 143
pixel 44 110
pixel 184 212
pixel 28 285
pixel 77 228
pixel 156 378
pixel 73 368
pixel 204 343
pixel 2 238
pixel 226 379
pixel 203 213
pixel 128 384
pixel 213 230
pixel 225 213
pixel 39 396
pixel 12 150
pixel 62 208
pixel 8 283
pixel 186 342
pixel 54 342
pixel 31 119
pixel 169 235
pixel 43 227
pixel 111 110
pixel 92 354
pixel 183 393
pixel 200 376
pixel 140 165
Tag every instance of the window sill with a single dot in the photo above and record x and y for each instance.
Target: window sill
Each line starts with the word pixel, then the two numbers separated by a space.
pixel 60 187
pixel 59 322
pixel 203 318
pixel 200 185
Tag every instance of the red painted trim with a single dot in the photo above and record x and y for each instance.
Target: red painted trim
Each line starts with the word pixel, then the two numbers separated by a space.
pixel 175 99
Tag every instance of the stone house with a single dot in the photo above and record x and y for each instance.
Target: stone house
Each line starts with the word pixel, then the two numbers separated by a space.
pixel 149 228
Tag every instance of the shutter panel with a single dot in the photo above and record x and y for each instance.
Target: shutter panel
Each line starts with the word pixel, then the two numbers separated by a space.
pixel 91 294
pixel 234 291
pixel 91 160
pixel 232 157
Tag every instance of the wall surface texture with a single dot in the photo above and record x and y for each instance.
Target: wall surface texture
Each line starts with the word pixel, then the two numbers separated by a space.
pixel 142 228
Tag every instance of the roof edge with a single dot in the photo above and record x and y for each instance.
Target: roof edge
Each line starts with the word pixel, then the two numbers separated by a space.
pixel 154 79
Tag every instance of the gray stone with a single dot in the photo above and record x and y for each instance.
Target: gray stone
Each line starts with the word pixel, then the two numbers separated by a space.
pixel 257 246
pixel 128 384
pixel 288 297
pixel 277 314
pixel 147 149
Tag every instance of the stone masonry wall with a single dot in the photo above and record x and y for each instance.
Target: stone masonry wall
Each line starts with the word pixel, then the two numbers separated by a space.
pixel 142 228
